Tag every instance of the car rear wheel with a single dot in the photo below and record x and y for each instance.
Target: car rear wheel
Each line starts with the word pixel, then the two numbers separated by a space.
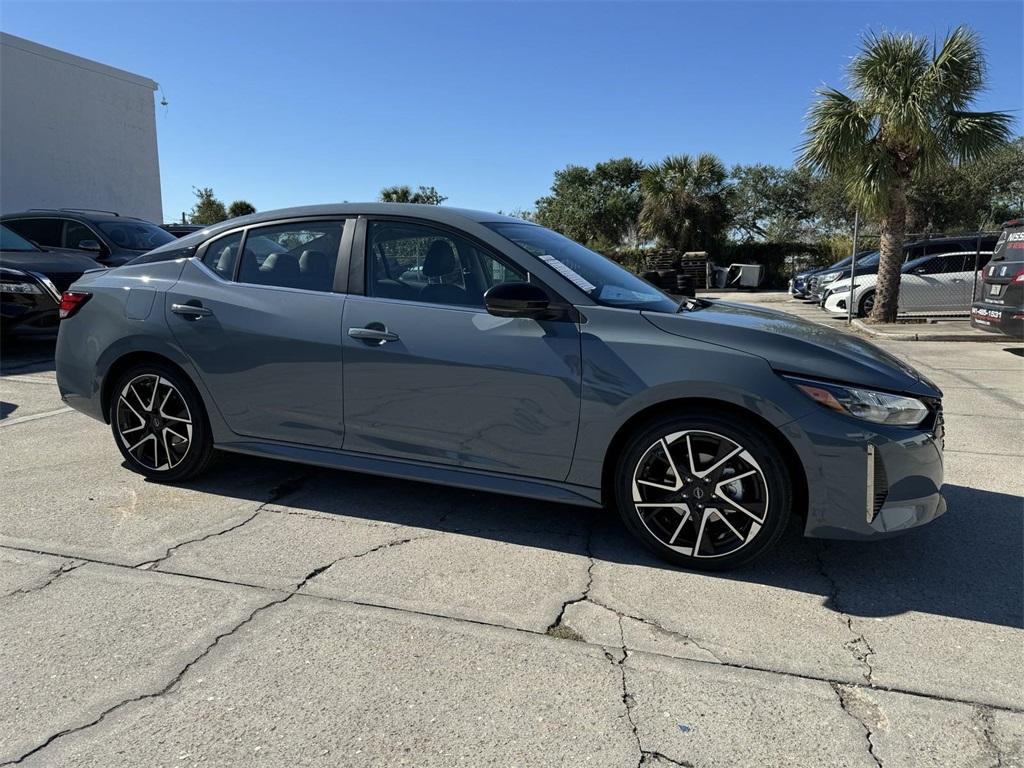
pixel 159 423
pixel 703 492
pixel 866 304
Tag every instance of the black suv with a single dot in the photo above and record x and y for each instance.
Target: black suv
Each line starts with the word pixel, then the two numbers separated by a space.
pixel 1000 299
pixel 110 239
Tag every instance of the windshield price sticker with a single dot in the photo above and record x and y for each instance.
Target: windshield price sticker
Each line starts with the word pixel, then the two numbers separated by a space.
pixel 578 280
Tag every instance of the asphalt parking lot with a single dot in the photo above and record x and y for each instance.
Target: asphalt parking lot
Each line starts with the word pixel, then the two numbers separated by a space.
pixel 272 614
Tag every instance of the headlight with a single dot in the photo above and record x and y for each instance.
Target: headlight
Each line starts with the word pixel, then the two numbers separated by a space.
pixel 10 287
pixel 867 404
pixel 828 277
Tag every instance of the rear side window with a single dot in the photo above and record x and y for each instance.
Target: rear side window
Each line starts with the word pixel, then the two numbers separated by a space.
pixel 301 255
pixel 940 265
pixel 222 254
pixel 41 231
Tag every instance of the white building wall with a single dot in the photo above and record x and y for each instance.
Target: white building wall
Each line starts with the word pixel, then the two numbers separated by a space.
pixel 75 133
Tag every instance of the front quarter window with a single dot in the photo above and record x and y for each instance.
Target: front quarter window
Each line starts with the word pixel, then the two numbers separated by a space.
pixel 600 278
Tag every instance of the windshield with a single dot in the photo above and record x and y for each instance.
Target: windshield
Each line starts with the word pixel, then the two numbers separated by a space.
pixel 135 235
pixel 12 241
pixel 870 260
pixel 600 278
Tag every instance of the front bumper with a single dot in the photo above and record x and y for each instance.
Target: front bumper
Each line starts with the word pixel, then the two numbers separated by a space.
pixel 997 318
pixel 867 481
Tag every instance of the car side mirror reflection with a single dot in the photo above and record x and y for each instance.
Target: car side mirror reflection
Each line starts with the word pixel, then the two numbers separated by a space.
pixel 517 300
pixel 89 245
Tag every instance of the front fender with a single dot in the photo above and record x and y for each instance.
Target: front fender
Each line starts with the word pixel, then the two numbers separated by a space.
pixel 630 366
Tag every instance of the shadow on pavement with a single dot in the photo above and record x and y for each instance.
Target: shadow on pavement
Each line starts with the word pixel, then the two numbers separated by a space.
pixel 27 355
pixel 968 564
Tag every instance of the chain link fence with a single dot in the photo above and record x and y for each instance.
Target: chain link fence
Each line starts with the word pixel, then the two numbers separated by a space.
pixel 940 276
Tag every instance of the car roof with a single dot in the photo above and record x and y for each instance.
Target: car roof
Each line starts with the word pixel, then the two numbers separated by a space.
pixel 441 214
pixel 69 213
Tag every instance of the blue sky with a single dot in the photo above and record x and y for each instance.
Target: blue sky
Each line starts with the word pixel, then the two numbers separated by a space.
pixel 292 103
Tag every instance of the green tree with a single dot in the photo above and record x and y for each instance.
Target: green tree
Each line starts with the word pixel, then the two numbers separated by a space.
pixel 240 208
pixel 686 202
pixel 208 209
pixel 598 206
pixel 977 195
pixel 771 204
pixel 908 116
pixel 404 194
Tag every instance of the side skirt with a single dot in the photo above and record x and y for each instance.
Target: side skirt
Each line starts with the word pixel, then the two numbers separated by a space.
pixel 427 473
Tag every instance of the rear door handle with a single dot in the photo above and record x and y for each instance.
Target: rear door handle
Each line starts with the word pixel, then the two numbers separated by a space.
pixel 194 311
pixel 373 332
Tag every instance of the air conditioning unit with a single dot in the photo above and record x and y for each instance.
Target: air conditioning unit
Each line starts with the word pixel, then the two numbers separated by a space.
pixel 745 275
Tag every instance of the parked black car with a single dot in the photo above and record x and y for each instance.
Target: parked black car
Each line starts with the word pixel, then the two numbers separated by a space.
pixel 932 246
pixel 798 284
pixel 180 230
pixel 1000 299
pixel 104 236
pixel 31 282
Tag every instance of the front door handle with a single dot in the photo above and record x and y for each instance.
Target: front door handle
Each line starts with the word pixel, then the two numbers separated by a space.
pixel 193 311
pixel 374 332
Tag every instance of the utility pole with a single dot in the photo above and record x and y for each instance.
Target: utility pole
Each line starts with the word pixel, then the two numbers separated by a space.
pixel 853 266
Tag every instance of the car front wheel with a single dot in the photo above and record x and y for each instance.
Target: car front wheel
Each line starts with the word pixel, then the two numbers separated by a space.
pixel 867 303
pixel 159 423
pixel 703 492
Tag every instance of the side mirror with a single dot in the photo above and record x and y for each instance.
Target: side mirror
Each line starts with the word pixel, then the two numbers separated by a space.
pixel 89 245
pixel 516 300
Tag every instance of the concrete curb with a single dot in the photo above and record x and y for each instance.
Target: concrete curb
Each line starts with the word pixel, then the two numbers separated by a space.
pixel 968 334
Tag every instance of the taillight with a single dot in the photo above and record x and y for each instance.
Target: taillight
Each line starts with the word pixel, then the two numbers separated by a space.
pixel 71 302
pixel 1019 277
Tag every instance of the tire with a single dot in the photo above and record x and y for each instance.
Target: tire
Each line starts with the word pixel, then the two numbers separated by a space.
pixel 159 423
pixel 692 532
pixel 865 304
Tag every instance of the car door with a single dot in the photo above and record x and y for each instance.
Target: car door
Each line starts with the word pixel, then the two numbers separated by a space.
pixel 934 284
pixel 430 375
pixel 257 314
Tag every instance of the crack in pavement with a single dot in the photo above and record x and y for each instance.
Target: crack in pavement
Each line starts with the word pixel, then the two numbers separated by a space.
pixel 155 563
pixel 156 694
pixel 206 651
pixel 281 490
pixel 645 756
pixel 859 647
pixel 1019 710
pixel 988 735
pixel 681 636
pixel 49 578
pixel 556 628
pixel 844 703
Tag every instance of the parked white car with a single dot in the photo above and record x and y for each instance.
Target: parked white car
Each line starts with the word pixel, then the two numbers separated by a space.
pixel 929 284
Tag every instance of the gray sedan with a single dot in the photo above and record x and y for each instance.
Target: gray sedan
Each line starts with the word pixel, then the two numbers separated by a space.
pixel 481 351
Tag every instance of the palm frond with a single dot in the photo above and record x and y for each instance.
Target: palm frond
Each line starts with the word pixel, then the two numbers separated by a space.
pixel 967 136
pixel 957 70
pixel 839 131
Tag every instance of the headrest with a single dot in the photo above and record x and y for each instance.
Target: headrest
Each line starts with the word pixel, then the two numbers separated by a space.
pixel 440 260
pixel 313 261
pixel 280 264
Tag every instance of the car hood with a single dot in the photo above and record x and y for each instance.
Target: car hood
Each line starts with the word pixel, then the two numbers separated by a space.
pixel 49 262
pixel 796 346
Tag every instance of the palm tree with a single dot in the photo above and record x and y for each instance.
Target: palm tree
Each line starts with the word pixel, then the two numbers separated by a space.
pixel 685 201
pixel 404 194
pixel 909 114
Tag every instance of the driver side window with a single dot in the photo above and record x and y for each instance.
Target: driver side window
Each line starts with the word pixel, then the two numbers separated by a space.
pixel 416 262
